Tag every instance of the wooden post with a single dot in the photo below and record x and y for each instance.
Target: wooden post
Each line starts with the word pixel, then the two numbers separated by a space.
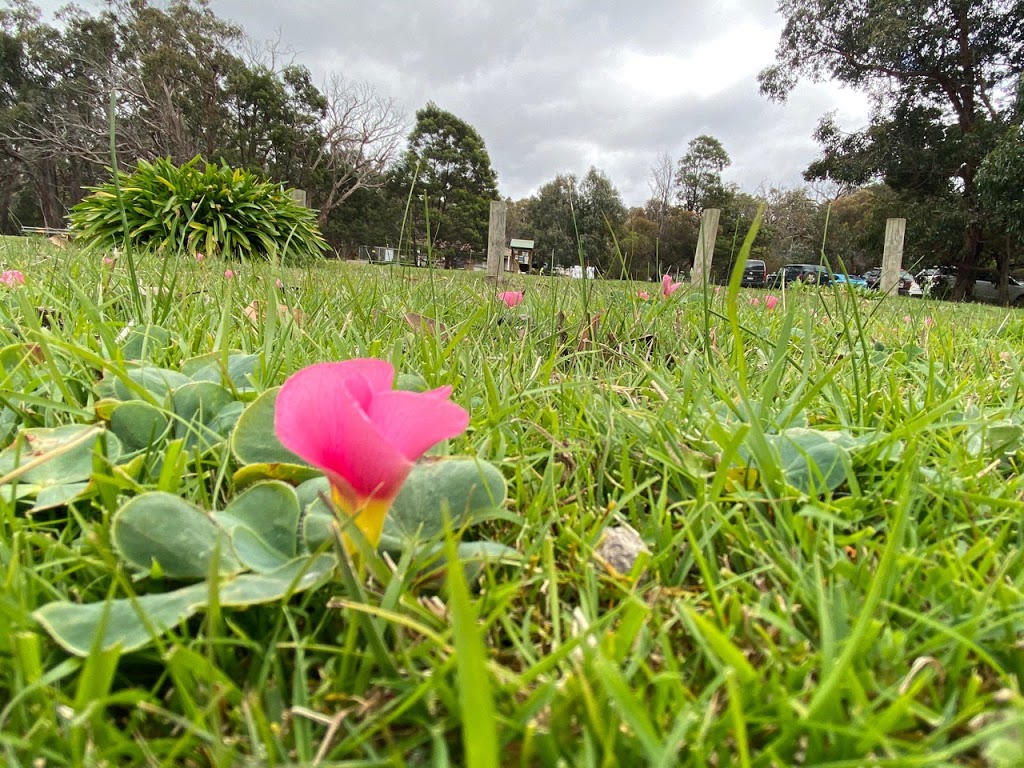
pixel 892 256
pixel 496 238
pixel 705 246
pixel 299 196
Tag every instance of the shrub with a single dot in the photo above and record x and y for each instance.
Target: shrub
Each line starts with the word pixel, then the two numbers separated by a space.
pixel 211 210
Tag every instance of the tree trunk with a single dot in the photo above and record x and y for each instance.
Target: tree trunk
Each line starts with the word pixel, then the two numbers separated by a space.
pixel 969 263
pixel 1003 265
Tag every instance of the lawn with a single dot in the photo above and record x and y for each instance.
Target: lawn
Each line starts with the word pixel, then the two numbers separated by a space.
pixel 827 492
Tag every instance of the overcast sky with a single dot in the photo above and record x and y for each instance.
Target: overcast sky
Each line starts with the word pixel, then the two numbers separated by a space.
pixel 555 86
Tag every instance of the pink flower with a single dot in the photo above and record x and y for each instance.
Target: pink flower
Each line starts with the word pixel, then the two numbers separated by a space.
pixel 511 298
pixel 199 257
pixel 278 283
pixel 907 319
pixel 109 261
pixel 770 302
pixel 929 322
pixel 229 274
pixel 345 419
pixel 12 278
pixel 668 287
pixel 643 295
pixel 755 302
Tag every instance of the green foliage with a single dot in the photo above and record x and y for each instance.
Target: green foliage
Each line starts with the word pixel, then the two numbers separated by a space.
pixel 830 493
pixel 937 78
pixel 699 176
pixel 449 173
pixel 214 210
pixel 1001 182
pixel 571 218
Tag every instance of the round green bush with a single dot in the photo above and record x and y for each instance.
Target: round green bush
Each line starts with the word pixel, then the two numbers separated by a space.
pixel 214 210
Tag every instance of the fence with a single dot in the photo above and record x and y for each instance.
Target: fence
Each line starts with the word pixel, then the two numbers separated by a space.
pixel 386 254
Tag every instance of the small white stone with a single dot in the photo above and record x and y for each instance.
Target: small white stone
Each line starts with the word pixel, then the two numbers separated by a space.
pixel 619 549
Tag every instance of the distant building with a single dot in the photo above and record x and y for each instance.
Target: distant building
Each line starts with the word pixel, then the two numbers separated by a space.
pixel 520 254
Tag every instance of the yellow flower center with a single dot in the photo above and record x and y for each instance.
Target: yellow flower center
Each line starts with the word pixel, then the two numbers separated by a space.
pixel 367 515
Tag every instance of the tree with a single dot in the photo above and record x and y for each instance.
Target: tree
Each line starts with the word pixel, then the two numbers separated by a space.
pixel 938 74
pixel 182 89
pixel 661 184
pixel 600 221
pixel 699 176
pixel 576 219
pixel 1001 191
pixel 449 173
pixel 360 135
pixel 551 217
pixel 791 227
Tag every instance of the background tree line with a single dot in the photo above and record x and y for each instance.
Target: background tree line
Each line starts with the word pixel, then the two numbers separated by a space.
pixel 943 149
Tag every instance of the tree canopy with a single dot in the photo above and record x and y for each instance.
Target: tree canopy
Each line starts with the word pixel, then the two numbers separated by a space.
pixel 448 172
pixel 699 176
pixel 183 86
pixel 941 75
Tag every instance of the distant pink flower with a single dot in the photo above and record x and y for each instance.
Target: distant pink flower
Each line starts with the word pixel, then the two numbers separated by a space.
pixel 109 261
pixel 345 419
pixel 929 322
pixel 511 298
pixel 668 287
pixel 12 278
pixel 643 295
pixel 755 302
pixel 199 257
pixel 770 302
pixel 907 319
pixel 229 274
pixel 278 283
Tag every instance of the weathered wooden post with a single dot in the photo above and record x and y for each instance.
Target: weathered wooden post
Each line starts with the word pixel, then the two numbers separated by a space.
pixel 299 196
pixel 496 238
pixel 892 256
pixel 705 246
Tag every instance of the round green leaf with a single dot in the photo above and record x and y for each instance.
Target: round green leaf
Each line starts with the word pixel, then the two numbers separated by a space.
pixel 158 382
pixel 162 529
pixel 254 440
pixel 465 490
pixel 145 341
pixel 138 424
pixel 59 455
pixel 293 474
pixel 263 523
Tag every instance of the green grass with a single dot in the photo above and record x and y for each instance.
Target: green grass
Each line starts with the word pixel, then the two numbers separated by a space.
pixel 863 608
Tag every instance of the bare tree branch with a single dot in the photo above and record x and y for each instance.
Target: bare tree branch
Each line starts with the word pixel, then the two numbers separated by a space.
pixel 362 132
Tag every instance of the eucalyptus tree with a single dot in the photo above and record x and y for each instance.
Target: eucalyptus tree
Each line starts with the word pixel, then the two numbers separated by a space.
pixel 699 174
pixel 448 176
pixel 940 75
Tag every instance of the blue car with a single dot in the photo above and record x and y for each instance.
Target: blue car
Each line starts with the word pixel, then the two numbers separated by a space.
pixel 855 280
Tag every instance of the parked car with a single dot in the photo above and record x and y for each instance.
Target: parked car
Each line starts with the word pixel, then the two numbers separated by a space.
pixel 939 281
pixel 754 274
pixel 907 285
pixel 811 274
pixel 855 280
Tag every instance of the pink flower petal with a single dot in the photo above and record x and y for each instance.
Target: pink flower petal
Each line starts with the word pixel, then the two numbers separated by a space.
pixel 12 278
pixel 408 424
pixel 320 415
pixel 511 298
pixel 345 419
